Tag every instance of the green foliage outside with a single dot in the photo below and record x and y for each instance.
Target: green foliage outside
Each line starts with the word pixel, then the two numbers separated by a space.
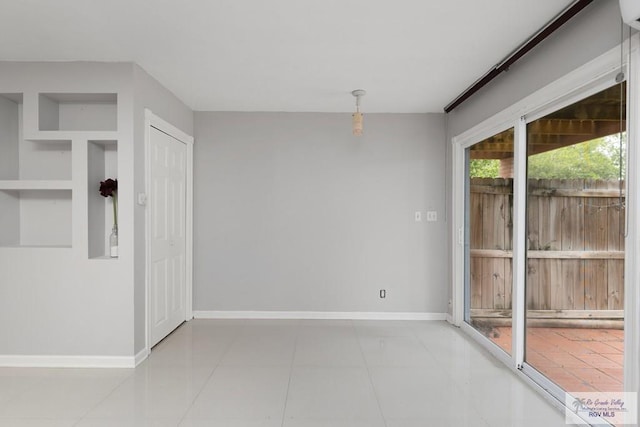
pixel 596 159
pixel 484 168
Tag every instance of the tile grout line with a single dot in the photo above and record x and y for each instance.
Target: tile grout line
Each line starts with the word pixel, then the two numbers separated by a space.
pixel 455 383
pixel 366 366
pixel 182 419
pixel 126 377
pixel 286 396
pixel 113 390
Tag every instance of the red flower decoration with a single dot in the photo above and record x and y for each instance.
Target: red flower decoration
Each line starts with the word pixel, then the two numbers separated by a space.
pixel 109 187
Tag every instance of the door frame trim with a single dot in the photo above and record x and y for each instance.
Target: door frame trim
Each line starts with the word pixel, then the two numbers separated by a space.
pixel 153 121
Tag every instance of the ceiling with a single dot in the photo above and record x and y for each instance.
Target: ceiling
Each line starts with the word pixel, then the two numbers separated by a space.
pixel 284 55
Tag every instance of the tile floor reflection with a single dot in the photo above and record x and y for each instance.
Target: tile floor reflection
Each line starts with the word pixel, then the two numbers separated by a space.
pixel 286 373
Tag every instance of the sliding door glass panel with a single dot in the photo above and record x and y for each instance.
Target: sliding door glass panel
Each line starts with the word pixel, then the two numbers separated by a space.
pixel 575 243
pixel 489 236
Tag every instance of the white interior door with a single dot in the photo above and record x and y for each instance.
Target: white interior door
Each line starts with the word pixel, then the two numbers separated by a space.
pixel 167 201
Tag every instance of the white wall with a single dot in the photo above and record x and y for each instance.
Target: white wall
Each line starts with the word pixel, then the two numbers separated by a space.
pixel 293 213
pixel 148 93
pixel 58 301
pixel 589 34
pixel 71 301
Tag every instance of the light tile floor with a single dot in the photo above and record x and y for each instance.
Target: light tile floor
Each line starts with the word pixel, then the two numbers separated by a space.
pixel 286 373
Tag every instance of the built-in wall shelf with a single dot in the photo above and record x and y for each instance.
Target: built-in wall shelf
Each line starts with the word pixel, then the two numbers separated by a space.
pixel 78 112
pixel 51 136
pixel 104 258
pixel 36 246
pixel 34 216
pixel 35 184
pixel 39 170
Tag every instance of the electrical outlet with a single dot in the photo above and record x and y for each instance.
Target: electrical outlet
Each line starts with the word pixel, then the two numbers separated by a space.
pixel 383 293
pixel 432 216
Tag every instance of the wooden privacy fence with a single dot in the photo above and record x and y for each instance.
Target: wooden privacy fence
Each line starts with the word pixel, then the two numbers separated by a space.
pixel 575 241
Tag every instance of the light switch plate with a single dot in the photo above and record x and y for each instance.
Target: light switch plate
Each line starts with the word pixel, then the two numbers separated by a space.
pixel 418 216
pixel 432 216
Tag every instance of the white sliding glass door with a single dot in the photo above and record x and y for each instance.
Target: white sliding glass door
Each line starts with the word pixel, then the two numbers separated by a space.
pixel 489 237
pixel 576 243
pixel 543 238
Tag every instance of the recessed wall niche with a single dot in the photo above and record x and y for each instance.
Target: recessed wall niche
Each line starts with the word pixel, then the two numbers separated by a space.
pixel 102 162
pixel 78 112
pixel 10 134
pixel 35 218
pixel 35 184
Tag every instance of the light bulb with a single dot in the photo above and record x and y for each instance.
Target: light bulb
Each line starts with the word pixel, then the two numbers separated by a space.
pixel 357 123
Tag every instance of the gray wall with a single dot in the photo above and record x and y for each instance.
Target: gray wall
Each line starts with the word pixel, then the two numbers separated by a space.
pixel 149 93
pixel 293 213
pixel 589 34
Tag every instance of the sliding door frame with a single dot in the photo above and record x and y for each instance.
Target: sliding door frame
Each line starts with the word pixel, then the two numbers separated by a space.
pixel 581 83
pixel 606 81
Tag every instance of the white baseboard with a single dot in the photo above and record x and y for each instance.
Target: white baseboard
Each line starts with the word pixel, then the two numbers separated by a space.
pixel 141 356
pixel 319 315
pixel 31 361
pixel 449 318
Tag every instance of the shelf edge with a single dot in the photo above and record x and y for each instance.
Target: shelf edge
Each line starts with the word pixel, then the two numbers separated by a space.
pixel 15 184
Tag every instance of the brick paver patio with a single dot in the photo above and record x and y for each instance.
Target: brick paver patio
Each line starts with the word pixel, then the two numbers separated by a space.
pixel 578 360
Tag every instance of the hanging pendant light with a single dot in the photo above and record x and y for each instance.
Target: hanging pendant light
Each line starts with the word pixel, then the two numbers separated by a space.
pixel 356 118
